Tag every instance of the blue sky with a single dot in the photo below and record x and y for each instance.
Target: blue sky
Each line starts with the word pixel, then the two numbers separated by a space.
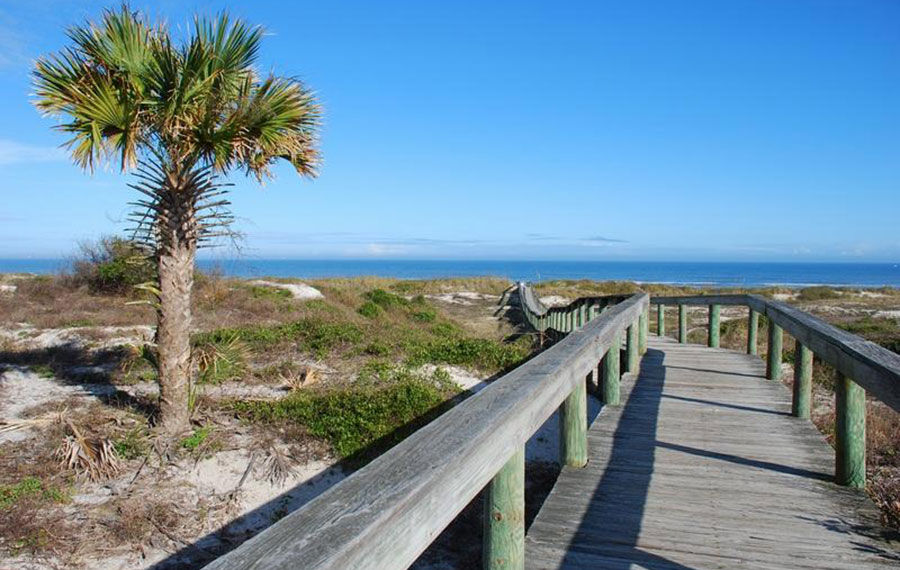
pixel 761 130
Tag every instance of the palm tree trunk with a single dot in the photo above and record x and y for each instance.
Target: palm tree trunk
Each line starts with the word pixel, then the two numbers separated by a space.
pixel 176 280
pixel 176 251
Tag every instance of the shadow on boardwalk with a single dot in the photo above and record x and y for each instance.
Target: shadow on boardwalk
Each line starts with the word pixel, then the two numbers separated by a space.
pixel 682 480
pixel 630 466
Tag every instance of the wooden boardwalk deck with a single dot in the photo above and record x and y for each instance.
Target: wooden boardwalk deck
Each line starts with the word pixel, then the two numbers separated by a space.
pixel 703 467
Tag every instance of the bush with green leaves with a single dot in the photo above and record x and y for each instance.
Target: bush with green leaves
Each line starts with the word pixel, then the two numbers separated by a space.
pixel 360 420
pixel 111 265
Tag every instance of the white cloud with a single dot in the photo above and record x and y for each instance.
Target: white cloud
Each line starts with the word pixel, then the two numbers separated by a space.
pixel 12 152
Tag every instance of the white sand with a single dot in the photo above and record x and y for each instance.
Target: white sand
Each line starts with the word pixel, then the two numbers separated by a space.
pixel 300 291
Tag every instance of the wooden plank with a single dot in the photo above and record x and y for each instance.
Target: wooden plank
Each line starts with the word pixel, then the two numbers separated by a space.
pixel 774 352
pixel 385 515
pixel 752 332
pixel 610 380
pixel 701 300
pixel 873 367
pixel 573 427
pixel 849 432
pixel 802 389
pixel 504 517
pixel 714 329
pixel 704 467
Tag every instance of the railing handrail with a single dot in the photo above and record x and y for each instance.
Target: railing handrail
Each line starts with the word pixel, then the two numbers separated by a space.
pixel 387 513
pixel 873 367
pixel 542 318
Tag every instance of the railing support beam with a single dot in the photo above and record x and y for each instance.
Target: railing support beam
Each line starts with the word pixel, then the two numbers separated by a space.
pixel 643 329
pixel 504 517
pixel 609 385
pixel 660 320
pixel 773 358
pixel 573 427
pixel 803 369
pixel 850 433
pixel 682 323
pixel 752 332
pixel 631 348
pixel 713 336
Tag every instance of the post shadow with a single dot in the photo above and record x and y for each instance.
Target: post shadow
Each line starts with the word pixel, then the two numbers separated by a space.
pixel 630 468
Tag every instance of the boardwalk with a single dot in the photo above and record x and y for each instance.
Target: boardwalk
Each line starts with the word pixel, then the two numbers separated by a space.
pixel 703 467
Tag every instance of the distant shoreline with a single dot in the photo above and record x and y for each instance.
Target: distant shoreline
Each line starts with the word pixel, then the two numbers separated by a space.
pixel 697 274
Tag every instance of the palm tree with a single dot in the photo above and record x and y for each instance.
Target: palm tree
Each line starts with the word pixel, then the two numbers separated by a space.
pixel 178 115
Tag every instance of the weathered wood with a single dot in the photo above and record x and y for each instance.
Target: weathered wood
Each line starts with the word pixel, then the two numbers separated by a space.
pixel 713 336
pixel 383 516
pixel 700 300
pixel 774 355
pixel 682 324
pixel 610 382
pixel 643 329
pixel 573 427
pixel 752 332
pixel 873 367
pixel 631 348
pixel 504 517
pixel 703 467
pixel 802 390
pixel 660 320
pixel 849 432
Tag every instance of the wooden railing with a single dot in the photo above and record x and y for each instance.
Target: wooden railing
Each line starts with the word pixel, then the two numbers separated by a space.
pixel 385 515
pixel 862 366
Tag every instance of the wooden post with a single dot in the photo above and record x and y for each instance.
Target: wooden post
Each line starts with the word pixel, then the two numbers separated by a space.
pixel 713 336
pixel 631 348
pixel 849 433
pixel 682 323
pixel 504 517
pixel 803 369
pixel 660 320
pixel 642 330
pixel 609 385
pixel 573 427
pixel 752 331
pixel 773 360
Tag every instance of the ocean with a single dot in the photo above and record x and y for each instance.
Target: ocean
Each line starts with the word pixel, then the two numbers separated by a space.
pixel 686 273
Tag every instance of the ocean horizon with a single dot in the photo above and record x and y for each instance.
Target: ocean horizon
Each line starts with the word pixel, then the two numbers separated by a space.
pixel 711 274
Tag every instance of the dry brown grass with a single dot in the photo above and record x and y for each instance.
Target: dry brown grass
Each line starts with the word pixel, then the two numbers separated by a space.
pixel 50 302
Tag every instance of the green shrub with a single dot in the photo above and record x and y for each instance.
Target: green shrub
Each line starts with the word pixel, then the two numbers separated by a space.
pixel 313 334
pixel 273 293
pixel 196 439
pixel 481 353
pixel 386 300
pixel 369 309
pixel 30 487
pixel 428 315
pixel 377 348
pixel 885 332
pixel 133 444
pixel 355 420
pixel 818 293
pixel 112 265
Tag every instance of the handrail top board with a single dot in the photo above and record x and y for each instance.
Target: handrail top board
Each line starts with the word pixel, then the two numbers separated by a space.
pixel 387 513
pixel 533 304
pixel 870 365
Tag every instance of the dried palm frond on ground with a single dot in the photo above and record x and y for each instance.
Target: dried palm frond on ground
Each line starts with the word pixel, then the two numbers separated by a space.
pixel 294 381
pixel 277 467
pixel 90 457
pixel 7 426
